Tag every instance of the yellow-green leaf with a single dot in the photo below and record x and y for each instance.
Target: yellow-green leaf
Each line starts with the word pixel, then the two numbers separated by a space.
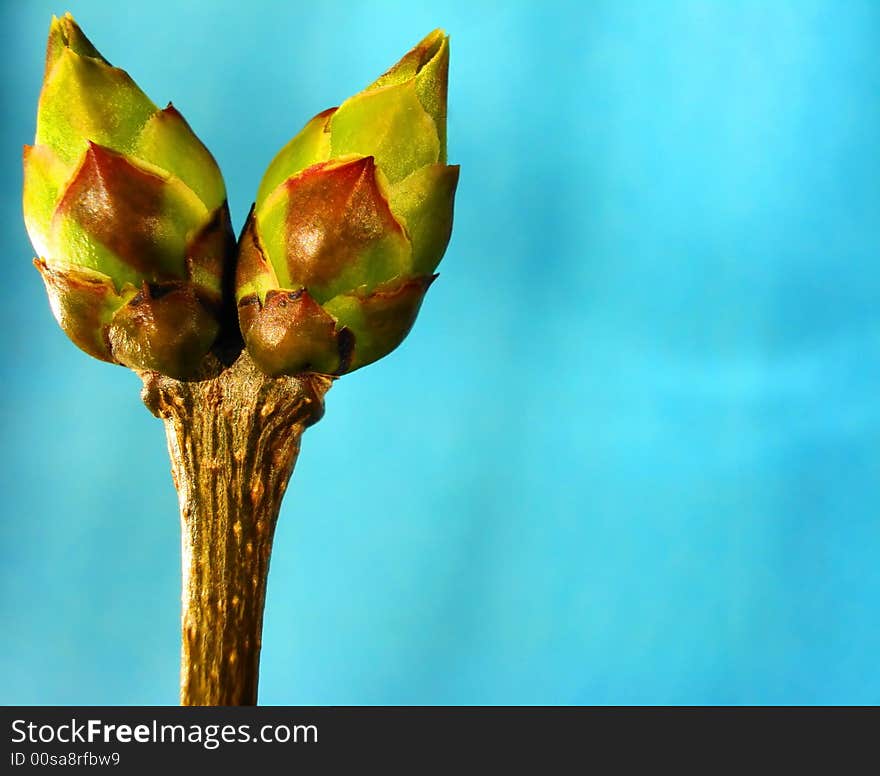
pixel 310 146
pixel 389 124
pixel 424 202
pixel 168 142
pixel 84 99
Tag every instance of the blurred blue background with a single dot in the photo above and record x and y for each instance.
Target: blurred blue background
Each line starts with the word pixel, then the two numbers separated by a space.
pixel 630 452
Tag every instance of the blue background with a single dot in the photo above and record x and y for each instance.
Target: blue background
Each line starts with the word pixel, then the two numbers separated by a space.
pixel 630 452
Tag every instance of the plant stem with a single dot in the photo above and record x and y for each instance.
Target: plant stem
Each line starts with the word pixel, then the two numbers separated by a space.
pixel 233 441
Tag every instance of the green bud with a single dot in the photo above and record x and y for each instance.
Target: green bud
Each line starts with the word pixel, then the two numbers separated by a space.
pixel 127 212
pixel 351 220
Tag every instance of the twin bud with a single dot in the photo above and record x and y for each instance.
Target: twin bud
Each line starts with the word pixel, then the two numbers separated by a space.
pixel 127 211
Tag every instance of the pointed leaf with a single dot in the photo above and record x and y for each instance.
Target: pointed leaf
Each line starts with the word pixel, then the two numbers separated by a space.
pixel 390 124
pixel 163 328
pixel 379 320
pixel 254 275
pixel 424 202
pixel 83 302
pixel 291 334
pixel 124 220
pixel 330 230
pixel 310 146
pixel 45 176
pixel 428 64
pixel 168 142
pixel 411 63
pixel 65 33
pixel 86 99
pixel 210 254
pixel 431 88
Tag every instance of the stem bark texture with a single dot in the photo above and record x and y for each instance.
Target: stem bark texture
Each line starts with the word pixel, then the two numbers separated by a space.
pixel 233 440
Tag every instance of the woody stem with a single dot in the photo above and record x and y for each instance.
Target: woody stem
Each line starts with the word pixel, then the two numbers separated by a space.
pixel 233 440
